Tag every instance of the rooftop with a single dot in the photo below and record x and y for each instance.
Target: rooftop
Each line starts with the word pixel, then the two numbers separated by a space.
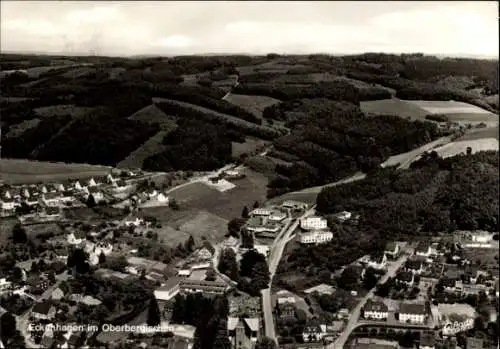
pixel 412 308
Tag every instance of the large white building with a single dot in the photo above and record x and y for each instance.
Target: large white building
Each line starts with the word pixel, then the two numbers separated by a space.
pixel 313 223
pixel 375 310
pixel 315 237
pixel 261 212
pixel 413 313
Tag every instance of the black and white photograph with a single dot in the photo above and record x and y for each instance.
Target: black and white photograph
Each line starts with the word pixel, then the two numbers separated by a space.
pixel 249 174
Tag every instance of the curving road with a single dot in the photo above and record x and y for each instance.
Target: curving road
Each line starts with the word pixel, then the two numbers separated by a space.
pixel 355 313
pixel 275 254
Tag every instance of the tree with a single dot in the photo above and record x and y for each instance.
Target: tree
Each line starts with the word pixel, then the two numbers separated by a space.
pixel 154 317
pixel 221 336
pixel 234 226
pixel 173 204
pixel 77 260
pixel 256 204
pixel 190 244
pixel 228 264
pixel 244 213
pixel 102 258
pixel 7 326
pixel 211 276
pixel 17 274
pixel 469 151
pixel 348 279
pixel 19 234
pixel 265 343
pixel 369 279
pixel 91 203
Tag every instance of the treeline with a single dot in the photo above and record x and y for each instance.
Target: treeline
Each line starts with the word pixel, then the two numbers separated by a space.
pixel 208 315
pixel 333 140
pixel 194 145
pixel 184 111
pixel 97 139
pixel 23 145
pixel 334 90
pixel 457 193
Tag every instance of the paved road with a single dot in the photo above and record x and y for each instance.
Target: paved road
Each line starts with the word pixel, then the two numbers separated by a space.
pixel 354 316
pixel 275 254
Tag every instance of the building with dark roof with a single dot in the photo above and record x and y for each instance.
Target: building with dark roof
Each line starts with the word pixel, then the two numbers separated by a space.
pixel 43 310
pixel 414 313
pixel 375 310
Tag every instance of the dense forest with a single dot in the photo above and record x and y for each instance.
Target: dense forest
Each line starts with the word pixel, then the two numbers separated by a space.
pixel 332 140
pixel 435 195
pixel 122 86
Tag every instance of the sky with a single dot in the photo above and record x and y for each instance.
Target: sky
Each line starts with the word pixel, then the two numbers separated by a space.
pixel 167 28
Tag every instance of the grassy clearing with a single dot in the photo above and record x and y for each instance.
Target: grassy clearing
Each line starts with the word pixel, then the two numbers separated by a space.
pixel 460 147
pixel 251 145
pixel 490 132
pixel 456 111
pixel 394 107
pixel 62 109
pixel 29 171
pixel 18 129
pixel 252 104
pixel 227 205
pixel 487 257
pixel 152 113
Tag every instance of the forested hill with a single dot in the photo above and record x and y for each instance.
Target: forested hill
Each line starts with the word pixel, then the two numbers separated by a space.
pixel 320 123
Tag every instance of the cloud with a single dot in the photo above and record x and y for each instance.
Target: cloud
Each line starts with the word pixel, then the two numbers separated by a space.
pixel 148 27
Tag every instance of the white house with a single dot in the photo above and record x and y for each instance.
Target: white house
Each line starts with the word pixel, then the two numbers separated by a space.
pixel 162 198
pixel 51 199
pixel 392 250
pixel 414 313
pixel 262 249
pixel 378 262
pixel 169 290
pixel 4 284
pixel 375 310
pixel 313 332
pixel 295 205
pixel 261 212
pixel 7 204
pixel 315 237
pixel 132 221
pixel 60 187
pixel 76 238
pixel 277 216
pixel 343 216
pixel 478 239
pixel 6 195
pixel 423 250
pixel 313 223
pixel 77 185
pixel 91 182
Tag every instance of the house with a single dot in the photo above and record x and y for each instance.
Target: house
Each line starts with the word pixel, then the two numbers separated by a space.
pixel 60 187
pixel 286 310
pixel 428 340
pixel 378 261
pixel 184 273
pixel 76 237
pixel 262 249
pixel 51 212
pixel 43 311
pixel 343 216
pixel 51 199
pixel 375 310
pixel 162 198
pixel 120 184
pixel 474 343
pixel 478 239
pixel 4 284
pixel 313 223
pixel 423 250
pixel 243 332
pixel 42 189
pixel 450 284
pixel 151 193
pixel 406 277
pixel 313 332
pixel 277 216
pixel 414 313
pixel 203 286
pixel 321 289
pixel 57 294
pixel 77 186
pixel 392 250
pixel 91 182
pixel 110 179
pixel 204 253
pixel 37 284
pixel 7 204
pixel 315 237
pixel 133 221
pixel 6 194
pixel 415 266
pixel 97 194
pixel 260 212
pixel 294 205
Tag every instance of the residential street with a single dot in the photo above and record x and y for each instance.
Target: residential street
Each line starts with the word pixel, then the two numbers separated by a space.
pixel 275 254
pixel 354 316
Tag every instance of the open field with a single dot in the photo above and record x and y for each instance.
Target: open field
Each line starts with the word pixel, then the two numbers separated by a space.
pixel 477 145
pixel 62 109
pixel 152 113
pixel 252 104
pixel 448 107
pixel 394 107
pixel 490 132
pixel 151 147
pixel 227 205
pixel 29 171
pixel 250 145
pixel 6 226
pixel 487 257
pixel 18 129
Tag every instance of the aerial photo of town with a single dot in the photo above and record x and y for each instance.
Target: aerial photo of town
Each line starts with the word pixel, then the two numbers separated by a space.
pixel 249 175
